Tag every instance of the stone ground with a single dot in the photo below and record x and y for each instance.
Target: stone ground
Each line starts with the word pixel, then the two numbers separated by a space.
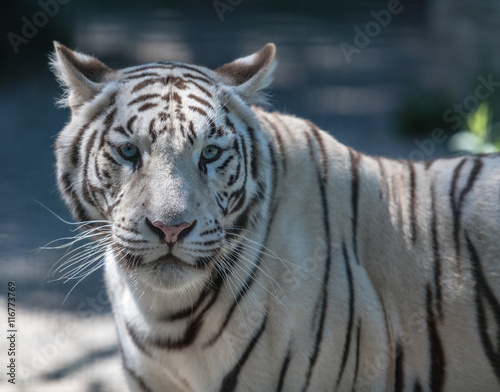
pixel 70 345
pixel 61 352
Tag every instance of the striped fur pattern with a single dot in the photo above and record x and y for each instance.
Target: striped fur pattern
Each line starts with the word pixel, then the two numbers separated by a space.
pixel 307 265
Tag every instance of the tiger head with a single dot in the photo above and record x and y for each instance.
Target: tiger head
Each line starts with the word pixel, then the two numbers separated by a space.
pixel 164 160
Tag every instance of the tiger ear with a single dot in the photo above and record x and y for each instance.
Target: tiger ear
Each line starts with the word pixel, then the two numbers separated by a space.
pixel 82 76
pixel 250 75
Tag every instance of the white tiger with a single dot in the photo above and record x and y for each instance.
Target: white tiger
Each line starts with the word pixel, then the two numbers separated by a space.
pixel 251 251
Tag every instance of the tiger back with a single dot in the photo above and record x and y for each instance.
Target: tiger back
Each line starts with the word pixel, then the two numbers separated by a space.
pixel 248 250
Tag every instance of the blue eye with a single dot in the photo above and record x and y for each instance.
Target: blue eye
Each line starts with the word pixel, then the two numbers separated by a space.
pixel 210 154
pixel 129 152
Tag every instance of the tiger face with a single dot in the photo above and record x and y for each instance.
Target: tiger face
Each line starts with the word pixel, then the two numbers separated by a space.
pixel 156 155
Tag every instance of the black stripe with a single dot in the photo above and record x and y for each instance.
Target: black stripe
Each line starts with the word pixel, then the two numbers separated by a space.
pixel 254 160
pixel 348 337
pixel 212 126
pixel 237 198
pixel 130 122
pixel 188 311
pixel 200 87
pixel 191 131
pixel 108 122
pixel 429 163
pixel 129 229
pixel 279 141
pixel 322 150
pixel 235 177
pixel 77 207
pixel 477 166
pixel 138 380
pixel 142 98
pixel 225 163
pixel 110 158
pixel 223 209
pixel 417 387
pixel 284 368
pixel 135 339
pixel 457 206
pixel 193 326
pixel 485 300
pixel 230 124
pixel 244 151
pixel 399 372
pixel 413 216
pixel 476 169
pixel 246 287
pixel 185 66
pixel 437 361
pixel 205 80
pixel 147 106
pixel 274 183
pixel 121 130
pixel 454 205
pixel 201 101
pixel 355 158
pixel 323 299
pixel 231 379
pixel 86 192
pixel 152 131
pixel 143 75
pixel 139 86
pixel 75 147
pixel 358 349
pixel 436 254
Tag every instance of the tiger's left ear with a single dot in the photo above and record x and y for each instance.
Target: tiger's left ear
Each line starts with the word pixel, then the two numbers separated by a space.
pixel 250 75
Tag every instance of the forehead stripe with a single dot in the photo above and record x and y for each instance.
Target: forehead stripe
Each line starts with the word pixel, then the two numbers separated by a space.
pixel 147 82
pixel 130 122
pixel 143 75
pixel 121 130
pixel 205 80
pixel 200 87
pixel 185 66
pixel 201 101
pixel 147 106
pixel 152 130
pixel 191 129
pixel 197 109
pixel 142 98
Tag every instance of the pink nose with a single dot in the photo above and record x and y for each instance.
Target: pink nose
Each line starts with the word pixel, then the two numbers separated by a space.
pixel 173 233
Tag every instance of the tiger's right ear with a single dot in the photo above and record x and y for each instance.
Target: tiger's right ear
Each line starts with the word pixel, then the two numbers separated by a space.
pixel 82 76
pixel 250 76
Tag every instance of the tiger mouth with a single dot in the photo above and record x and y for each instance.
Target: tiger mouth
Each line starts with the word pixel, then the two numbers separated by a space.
pixel 169 258
pixel 171 261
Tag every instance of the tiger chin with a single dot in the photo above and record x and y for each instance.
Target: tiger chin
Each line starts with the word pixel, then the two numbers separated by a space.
pixel 248 250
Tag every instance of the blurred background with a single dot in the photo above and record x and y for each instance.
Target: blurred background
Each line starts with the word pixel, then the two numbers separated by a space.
pixel 404 79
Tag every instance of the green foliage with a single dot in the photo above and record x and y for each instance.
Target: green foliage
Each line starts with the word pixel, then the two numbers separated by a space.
pixel 482 136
